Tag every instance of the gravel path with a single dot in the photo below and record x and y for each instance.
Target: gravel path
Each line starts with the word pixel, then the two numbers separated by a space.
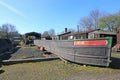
pixel 25 53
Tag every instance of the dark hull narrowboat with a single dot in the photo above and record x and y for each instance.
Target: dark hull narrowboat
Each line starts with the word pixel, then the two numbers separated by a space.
pixel 86 51
pixel 5 45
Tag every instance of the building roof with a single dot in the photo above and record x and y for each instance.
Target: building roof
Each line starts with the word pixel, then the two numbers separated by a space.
pixel 65 33
pixel 88 31
pixel 102 32
pixel 33 34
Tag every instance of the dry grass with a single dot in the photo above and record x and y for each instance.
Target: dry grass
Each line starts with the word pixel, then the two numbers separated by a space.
pixel 116 54
pixel 55 70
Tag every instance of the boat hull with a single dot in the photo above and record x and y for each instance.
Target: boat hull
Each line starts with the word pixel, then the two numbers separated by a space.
pixel 74 51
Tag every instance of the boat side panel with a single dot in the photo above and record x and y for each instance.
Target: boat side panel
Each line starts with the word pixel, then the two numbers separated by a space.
pixel 94 55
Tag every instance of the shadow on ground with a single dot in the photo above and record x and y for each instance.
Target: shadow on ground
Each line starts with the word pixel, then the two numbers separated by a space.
pixel 2 71
pixel 8 54
pixel 115 64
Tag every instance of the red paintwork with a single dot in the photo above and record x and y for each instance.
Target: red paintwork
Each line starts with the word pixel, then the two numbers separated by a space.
pixel 90 43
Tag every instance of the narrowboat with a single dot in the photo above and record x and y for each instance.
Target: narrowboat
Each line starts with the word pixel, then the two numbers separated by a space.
pixel 96 51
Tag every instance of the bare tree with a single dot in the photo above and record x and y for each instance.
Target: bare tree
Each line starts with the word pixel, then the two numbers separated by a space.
pixel 86 23
pixel 45 33
pixel 4 31
pixel 51 32
pixel 92 21
pixel 8 31
pixel 95 17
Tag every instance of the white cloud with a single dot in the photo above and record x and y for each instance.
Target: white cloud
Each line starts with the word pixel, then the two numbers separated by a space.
pixel 11 8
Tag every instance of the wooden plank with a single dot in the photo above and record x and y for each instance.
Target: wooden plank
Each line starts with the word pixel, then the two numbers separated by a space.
pixel 15 61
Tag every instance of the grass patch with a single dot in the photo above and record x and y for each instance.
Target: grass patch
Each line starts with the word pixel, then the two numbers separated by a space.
pixel 51 70
pixel 116 54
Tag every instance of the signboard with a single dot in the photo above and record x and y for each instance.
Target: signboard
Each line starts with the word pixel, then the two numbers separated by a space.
pixel 90 43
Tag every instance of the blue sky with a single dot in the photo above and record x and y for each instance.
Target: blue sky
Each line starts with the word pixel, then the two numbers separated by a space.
pixel 43 15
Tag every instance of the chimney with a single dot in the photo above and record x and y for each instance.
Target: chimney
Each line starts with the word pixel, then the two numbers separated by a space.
pixel 65 30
